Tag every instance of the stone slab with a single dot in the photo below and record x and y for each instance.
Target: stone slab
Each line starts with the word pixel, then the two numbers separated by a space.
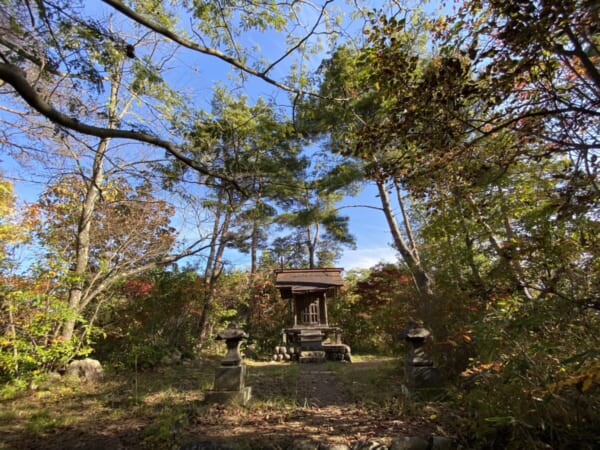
pixel 409 443
pixel 228 397
pixel 312 356
pixel 230 378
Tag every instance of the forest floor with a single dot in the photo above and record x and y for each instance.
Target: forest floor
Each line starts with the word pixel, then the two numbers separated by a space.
pixel 329 403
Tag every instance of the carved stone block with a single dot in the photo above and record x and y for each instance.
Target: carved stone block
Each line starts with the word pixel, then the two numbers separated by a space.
pixel 230 378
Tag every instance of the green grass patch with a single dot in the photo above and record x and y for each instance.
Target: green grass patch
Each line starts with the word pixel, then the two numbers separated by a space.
pixel 274 384
pixel 44 420
pixel 124 399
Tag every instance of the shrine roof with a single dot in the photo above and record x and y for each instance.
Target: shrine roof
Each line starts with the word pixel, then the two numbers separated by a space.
pixel 308 279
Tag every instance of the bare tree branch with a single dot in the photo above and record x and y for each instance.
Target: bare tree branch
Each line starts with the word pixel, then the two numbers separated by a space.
pixel 302 41
pixel 14 76
pixel 112 278
pixel 164 31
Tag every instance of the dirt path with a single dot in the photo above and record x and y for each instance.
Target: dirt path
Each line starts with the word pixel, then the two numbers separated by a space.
pixel 321 387
pixel 328 411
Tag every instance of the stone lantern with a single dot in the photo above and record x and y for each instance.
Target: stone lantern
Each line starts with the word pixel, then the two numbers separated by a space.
pixel 418 367
pixel 230 376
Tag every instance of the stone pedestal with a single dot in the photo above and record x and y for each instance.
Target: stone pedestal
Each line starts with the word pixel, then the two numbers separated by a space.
pixel 311 340
pixel 337 352
pixel 230 376
pixel 227 397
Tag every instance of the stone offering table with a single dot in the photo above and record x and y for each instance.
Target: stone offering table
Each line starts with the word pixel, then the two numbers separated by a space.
pixel 230 376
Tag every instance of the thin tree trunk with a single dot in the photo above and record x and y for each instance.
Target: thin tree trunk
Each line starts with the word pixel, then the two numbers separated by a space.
pixel 422 278
pixel 82 245
pixel 214 267
pixel 208 273
pixel 516 263
pixel 505 254
pixel 405 219
pixel 252 301
pixel 254 251
pixel 13 332
pixel 312 240
pixel 469 241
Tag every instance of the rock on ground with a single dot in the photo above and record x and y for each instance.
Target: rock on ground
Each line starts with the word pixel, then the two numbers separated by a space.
pixel 88 370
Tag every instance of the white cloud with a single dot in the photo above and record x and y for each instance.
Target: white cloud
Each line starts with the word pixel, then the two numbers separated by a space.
pixel 366 258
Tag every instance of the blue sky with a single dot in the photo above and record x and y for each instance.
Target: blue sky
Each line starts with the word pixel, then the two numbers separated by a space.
pixel 198 74
pixel 369 227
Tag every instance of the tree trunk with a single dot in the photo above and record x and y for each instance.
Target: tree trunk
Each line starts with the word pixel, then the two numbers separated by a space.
pixel 516 263
pixel 214 267
pixel 252 301
pixel 13 332
pixel 208 274
pixel 504 253
pixel 410 256
pixel 407 228
pixel 82 244
pixel 254 250
pixel 469 241
pixel 311 244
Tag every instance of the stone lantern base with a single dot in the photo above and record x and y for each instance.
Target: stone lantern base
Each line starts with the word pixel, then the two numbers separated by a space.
pixel 227 397
pixel 230 378
pixel 229 386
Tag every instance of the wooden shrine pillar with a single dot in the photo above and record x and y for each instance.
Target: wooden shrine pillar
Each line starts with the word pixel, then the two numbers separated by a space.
pixel 325 308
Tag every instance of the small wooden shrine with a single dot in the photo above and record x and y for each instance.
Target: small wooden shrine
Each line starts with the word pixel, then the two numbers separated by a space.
pixel 309 336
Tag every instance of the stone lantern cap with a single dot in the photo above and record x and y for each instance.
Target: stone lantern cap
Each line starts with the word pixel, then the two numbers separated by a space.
pixel 231 333
pixel 418 333
pixel 232 336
